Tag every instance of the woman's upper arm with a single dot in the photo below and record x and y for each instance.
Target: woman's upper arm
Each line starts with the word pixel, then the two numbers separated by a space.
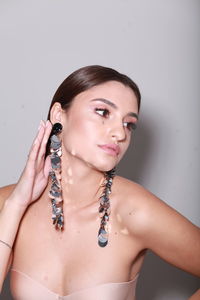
pixel 195 296
pixel 167 233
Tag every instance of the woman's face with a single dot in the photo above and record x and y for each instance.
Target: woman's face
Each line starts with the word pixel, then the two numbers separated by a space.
pixel 97 127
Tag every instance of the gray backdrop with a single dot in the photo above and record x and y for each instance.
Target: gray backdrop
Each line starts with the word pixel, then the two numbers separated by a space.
pixel 157 43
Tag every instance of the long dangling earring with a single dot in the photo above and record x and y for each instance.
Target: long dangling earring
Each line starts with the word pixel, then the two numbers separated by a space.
pixel 55 192
pixel 104 208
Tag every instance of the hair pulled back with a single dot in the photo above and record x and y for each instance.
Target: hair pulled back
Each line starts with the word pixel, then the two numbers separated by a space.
pixel 84 79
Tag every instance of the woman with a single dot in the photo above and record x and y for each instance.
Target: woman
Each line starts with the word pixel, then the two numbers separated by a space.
pixel 103 225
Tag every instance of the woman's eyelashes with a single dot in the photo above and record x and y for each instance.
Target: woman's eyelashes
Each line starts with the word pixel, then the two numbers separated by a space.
pixel 105 113
pixel 130 125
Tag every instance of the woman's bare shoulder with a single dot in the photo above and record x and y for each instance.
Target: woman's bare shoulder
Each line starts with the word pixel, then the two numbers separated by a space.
pixel 5 192
pixel 135 193
pixel 131 191
pixel 135 200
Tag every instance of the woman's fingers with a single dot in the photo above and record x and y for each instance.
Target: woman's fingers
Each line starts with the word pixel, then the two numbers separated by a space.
pixel 28 173
pixel 42 150
pixel 47 166
pixel 33 154
pixel 35 175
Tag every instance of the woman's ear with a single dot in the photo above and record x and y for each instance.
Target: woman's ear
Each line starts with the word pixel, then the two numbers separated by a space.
pixel 56 113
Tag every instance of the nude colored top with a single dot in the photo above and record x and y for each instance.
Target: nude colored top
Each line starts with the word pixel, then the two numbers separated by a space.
pixel 23 287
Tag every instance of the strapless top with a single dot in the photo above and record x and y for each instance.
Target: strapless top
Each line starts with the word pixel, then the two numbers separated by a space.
pixel 23 287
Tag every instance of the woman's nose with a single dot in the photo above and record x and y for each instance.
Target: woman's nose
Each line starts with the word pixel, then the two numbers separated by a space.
pixel 118 132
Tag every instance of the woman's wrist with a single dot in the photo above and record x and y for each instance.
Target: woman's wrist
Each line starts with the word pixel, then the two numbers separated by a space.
pixel 12 205
pixel 10 218
pixel 12 210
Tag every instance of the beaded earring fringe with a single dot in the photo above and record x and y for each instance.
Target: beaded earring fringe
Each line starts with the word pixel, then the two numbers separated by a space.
pixel 55 192
pixel 104 208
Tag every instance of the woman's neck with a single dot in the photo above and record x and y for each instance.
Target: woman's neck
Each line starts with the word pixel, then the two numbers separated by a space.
pixel 80 182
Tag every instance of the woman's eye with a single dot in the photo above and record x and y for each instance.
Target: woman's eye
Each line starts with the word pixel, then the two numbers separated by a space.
pixel 130 125
pixel 102 112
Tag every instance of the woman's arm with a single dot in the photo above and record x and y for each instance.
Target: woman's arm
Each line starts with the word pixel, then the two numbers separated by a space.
pixel 10 216
pixel 28 189
pixel 195 296
pixel 166 232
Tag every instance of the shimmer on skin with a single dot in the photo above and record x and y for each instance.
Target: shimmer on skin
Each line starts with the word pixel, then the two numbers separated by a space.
pixel 131 114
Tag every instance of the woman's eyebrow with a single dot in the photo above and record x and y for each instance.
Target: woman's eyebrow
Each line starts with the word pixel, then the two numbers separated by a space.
pixel 132 114
pixel 106 101
pixel 113 105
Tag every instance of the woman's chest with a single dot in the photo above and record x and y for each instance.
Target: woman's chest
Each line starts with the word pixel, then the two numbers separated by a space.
pixel 71 259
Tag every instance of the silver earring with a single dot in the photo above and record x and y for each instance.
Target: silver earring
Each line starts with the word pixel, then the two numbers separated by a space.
pixel 104 208
pixel 55 192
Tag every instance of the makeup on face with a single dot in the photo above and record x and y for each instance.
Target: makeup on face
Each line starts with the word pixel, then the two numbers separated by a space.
pixel 111 149
pixel 104 112
pixel 101 120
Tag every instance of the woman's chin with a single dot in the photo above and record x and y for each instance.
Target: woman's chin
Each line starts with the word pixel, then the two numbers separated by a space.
pixel 104 167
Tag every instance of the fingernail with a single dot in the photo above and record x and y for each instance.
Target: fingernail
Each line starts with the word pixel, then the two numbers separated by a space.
pixel 35 141
pixel 40 125
pixel 47 122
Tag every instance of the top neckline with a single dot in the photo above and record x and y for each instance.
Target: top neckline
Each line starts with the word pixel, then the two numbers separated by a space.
pixel 79 291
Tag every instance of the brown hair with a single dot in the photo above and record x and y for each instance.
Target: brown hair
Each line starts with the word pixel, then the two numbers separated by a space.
pixel 84 79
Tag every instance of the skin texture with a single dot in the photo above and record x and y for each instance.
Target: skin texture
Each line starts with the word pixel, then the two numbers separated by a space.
pixel 139 220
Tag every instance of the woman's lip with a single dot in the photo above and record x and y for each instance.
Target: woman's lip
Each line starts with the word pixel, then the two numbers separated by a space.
pixel 112 149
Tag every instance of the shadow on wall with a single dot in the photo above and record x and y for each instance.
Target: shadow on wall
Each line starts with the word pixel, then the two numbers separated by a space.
pixel 163 281
pixel 134 164
pixel 5 295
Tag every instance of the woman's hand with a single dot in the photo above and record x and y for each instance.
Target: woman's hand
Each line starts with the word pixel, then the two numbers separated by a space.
pixel 34 178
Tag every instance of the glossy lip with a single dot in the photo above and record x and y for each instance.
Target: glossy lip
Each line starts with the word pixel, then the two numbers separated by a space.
pixel 112 149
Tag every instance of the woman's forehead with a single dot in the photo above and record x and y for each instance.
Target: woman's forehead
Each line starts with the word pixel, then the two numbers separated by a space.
pixel 112 91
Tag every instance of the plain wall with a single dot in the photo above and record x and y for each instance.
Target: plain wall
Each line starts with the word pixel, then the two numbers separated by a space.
pixel 157 43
